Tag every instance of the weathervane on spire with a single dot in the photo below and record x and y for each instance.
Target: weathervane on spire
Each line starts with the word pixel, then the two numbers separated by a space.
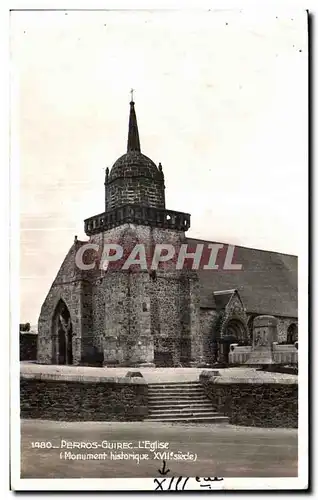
pixel 132 94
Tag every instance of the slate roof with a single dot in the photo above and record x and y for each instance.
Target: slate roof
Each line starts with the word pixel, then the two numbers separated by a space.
pixel 267 283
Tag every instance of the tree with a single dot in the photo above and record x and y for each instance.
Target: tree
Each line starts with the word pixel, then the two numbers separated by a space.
pixel 25 327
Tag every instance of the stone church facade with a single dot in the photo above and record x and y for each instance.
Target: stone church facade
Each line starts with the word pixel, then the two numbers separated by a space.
pixel 163 317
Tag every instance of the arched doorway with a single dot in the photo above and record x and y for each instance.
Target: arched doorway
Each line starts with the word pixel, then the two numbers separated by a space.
pixel 292 333
pixel 234 332
pixel 63 335
pixel 235 328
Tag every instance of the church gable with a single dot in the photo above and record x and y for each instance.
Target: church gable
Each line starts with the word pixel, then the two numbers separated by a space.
pixel 235 311
pixel 222 298
pixel 232 319
pixel 235 305
pixel 69 270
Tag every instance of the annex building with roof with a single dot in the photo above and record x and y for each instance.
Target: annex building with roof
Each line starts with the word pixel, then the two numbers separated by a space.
pixel 167 317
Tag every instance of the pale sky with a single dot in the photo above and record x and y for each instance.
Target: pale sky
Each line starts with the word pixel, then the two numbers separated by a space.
pixel 221 102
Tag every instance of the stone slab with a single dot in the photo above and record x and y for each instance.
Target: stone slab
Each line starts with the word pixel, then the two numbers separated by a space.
pixel 74 374
pixel 247 375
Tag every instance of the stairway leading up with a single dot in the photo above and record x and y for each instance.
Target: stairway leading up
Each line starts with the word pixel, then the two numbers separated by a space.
pixel 181 402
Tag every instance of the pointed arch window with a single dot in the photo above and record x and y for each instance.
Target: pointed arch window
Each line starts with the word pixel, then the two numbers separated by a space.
pixel 292 333
pixel 62 335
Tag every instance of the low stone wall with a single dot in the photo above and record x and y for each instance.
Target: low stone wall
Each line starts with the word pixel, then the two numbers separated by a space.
pixel 285 354
pixel 238 355
pixel 254 403
pixel 74 398
pixel 282 354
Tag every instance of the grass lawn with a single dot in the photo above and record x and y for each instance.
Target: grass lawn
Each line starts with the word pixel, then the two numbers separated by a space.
pixel 222 450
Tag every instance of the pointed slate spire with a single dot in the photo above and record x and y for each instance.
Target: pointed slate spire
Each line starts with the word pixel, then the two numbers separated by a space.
pixel 133 143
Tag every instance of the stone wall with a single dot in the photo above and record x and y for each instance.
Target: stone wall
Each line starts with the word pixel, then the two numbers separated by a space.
pixel 136 190
pixel 75 399
pixel 72 287
pixel 71 294
pixel 208 319
pixel 88 345
pixel 113 314
pixel 139 316
pixel 255 404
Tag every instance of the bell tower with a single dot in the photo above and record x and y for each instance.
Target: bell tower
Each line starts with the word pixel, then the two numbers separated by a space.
pixel 134 178
pixel 142 316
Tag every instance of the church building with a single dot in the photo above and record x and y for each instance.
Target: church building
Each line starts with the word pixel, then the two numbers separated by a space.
pixel 118 316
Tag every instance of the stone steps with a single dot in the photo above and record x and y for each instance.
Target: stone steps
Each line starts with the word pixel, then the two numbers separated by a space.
pixel 172 389
pixel 183 393
pixel 201 403
pixel 181 402
pixel 177 397
pixel 182 411
pixel 175 384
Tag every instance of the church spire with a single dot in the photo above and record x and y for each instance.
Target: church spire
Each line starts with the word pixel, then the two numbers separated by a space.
pixel 133 143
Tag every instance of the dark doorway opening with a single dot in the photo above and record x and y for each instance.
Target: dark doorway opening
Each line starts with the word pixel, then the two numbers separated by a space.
pixel 163 359
pixel 185 351
pixel 63 335
pixel 235 333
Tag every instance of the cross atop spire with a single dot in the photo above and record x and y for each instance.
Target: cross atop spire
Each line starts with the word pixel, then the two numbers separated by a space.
pixel 133 143
pixel 132 94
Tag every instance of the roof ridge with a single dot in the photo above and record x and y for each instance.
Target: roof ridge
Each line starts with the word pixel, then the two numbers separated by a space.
pixel 241 246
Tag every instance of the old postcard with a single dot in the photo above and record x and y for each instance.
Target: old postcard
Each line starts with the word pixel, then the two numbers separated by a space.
pixel 160 160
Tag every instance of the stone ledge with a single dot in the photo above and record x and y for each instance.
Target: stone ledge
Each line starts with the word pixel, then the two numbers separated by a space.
pixel 234 380
pixel 208 374
pixel 85 379
pixel 137 214
pixel 248 376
